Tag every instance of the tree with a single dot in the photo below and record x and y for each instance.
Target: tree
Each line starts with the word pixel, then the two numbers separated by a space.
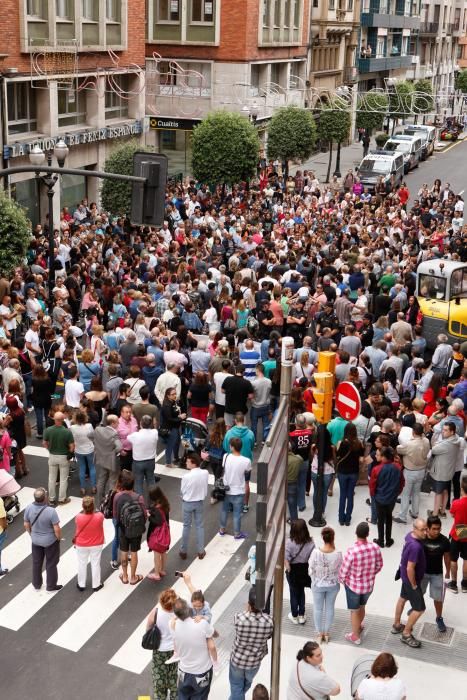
pixel 291 135
pixel 371 110
pixel 401 101
pixel 116 194
pixel 461 81
pixel 333 127
pixel 15 234
pixel 225 148
pixel 423 98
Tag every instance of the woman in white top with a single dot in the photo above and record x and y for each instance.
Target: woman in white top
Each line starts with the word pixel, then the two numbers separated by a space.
pixel 164 676
pixel 325 564
pixel 382 685
pixel 140 329
pixel 303 368
pixel 135 383
pixel 97 344
pixel 83 436
pixel 32 305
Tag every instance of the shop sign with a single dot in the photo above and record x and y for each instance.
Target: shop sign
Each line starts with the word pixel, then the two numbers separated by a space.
pixel 173 123
pixel 78 138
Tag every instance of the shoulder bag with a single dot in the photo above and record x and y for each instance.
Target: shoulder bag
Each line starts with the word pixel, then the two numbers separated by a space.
pixel 152 637
pixel 298 574
pixel 301 686
pixel 37 516
pixel 461 531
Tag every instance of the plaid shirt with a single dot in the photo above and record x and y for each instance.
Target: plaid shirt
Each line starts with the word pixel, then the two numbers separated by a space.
pixel 252 631
pixel 361 563
pixel 160 306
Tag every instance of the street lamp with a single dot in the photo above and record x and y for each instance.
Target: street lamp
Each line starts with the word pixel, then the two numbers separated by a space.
pixel 37 158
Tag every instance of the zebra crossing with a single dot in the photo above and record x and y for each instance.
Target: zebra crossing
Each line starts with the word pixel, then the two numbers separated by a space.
pixel 101 610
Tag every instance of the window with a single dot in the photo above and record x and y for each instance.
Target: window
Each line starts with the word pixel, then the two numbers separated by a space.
pixel 405 45
pixel 202 11
pixel 64 9
pixel 71 107
pixel 255 78
pixel 112 10
pixel 21 99
pixel 431 287
pixel 277 13
pixel 286 14
pixel 459 283
pixel 332 4
pixel 116 97
pixel 90 10
pixel 37 8
pixel 349 5
pixel 168 11
pixel 380 47
pixel 276 73
pixel 188 79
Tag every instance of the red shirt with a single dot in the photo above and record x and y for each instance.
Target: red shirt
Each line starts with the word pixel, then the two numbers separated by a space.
pixel 459 513
pixel 89 530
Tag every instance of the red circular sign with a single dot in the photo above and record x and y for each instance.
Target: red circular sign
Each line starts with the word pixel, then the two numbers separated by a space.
pixel 348 401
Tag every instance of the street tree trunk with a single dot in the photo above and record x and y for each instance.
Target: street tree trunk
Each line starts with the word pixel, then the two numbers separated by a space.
pixel 337 171
pixel 328 174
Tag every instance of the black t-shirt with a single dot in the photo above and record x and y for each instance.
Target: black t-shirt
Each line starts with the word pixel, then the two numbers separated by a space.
pixel 434 551
pixel 237 389
pixel 301 442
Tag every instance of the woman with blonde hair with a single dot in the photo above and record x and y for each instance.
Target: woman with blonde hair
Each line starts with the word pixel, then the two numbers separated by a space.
pixel 88 368
pixel 97 344
pixel 89 541
pixel 303 368
pixel 164 676
pixel 140 330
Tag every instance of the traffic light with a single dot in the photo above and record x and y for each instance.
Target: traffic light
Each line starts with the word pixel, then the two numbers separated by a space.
pixel 322 409
pixel 148 199
pixel 327 361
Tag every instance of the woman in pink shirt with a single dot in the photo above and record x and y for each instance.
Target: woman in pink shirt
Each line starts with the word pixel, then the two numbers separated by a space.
pixel 127 424
pixel 89 541
pixel 5 446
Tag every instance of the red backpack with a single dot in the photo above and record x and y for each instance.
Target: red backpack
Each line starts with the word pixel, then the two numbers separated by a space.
pixel 159 539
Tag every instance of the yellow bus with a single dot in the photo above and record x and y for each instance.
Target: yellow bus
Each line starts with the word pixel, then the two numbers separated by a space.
pixel 442 294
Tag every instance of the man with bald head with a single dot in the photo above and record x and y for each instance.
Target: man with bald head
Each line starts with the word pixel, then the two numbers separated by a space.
pixel 43 524
pixel 58 439
pixel 412 570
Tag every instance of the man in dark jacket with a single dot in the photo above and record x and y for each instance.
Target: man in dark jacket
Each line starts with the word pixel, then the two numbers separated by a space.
pixel 386 483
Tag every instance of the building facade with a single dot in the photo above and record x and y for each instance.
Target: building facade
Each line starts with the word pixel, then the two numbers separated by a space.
pixel 248 56
pixel 69 71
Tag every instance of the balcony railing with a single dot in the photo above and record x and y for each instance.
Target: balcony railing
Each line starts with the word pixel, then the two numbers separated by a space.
pixel 380 63
pixel 429 27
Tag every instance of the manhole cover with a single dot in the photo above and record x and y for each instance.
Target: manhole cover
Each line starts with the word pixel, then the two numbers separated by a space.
pixel 431 633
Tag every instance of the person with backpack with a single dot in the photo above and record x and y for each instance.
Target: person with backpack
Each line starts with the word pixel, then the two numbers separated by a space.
pixel 130 512
pixel 158 537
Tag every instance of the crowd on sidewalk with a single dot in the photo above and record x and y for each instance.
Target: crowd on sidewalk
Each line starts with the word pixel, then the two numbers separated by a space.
pixel 154 331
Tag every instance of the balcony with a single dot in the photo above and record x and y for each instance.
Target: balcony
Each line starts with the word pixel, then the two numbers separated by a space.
pixel 381 18
pixel 373 65
pixel 429 28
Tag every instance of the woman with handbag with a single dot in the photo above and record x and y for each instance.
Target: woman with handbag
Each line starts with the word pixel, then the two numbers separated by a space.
pixel 325 563
pixel 214 452
pixel 298 549
pixel 164 676
pixel 17 428
pixel 308 679
pixel 171 419
pixel 348 454
pixel 89 541
pixel 158 537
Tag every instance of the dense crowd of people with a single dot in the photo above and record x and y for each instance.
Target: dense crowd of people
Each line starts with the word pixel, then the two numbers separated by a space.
pixel 151 328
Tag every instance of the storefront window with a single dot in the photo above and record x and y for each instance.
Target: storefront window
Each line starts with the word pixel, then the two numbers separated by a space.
pixel 116 97
pixel 21 100
pixel 72 190
pixel 177 147
pixel 71 107
pixel 25 193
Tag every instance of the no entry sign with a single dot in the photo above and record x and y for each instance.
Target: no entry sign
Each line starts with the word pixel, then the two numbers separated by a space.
pixel 348 401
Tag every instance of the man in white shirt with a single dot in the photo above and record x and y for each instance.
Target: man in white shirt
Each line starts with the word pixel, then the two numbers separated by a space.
pixel 219 396
pixel 8 315
pixel 32 339
pixel 441 355
pixel 197 651
pixel 235 468
pixel 168 380
pixel 74 390
pixel 144 443
pixel 194 489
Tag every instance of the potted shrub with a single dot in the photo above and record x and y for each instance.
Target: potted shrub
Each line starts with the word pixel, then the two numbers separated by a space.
pixel 381 139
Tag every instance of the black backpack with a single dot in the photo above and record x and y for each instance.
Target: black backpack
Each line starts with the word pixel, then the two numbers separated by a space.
pixel 132 519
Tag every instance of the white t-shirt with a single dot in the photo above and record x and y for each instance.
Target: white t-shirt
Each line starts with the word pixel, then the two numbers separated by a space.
pixel 10 324
pixel 135 385
pixel 82 436
pixel 381 689
pixel 73 391
pixel 234 473
pixel 163 622
pixel 190 641
pixel 219 378
pixel 144 444
pixel 33 338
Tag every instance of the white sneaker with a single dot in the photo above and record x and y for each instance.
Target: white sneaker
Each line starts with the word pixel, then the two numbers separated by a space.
pixel 301 619
pixel 293 619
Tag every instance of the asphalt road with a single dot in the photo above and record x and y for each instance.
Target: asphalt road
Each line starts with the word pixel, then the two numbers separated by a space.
pixel 448 166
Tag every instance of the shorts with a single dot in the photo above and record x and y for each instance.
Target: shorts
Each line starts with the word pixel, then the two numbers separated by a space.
pixel 414 596
pixel 131 544
pixel 247 476
pixel 220 410
pixel 437 587
pixel 440 486
pixel 458 549
pixel 356 600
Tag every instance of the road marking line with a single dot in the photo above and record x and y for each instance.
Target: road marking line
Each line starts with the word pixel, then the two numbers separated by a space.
pixel 98 608
pixel 177 473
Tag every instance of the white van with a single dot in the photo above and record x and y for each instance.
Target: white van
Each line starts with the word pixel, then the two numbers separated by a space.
pixel 410 146
pixel 389 166
pixel 428 134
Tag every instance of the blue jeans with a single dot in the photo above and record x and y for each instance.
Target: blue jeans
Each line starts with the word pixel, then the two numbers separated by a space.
pixel 193 686
pixel 347 483
pixel 88 460
pixel 324 599
pixel 172 445
pixel 297 600
pixel 301 485
pixel 190 509
pixel 292 500
pixel 41 414
pixel 2 542
pixel 263 412
pixel 326 481
pixel 143 469
pixel 240 680
pixel 264 350
pixel 237 502
pixel 115 540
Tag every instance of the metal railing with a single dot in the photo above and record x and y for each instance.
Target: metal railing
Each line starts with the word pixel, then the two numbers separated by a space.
pixel 429 27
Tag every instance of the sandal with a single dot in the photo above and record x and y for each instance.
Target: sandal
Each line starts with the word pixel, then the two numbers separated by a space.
pixel 411 641
pixel 154 577
pixel 137 580
pixel 397 629
pixel 122 579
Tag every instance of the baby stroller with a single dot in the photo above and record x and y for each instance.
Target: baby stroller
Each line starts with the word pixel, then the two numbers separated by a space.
pixel 361 670
pixel 194 436
pixel 8 488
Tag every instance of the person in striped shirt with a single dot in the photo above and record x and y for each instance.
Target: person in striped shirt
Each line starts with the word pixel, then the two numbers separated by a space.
pixel 361 563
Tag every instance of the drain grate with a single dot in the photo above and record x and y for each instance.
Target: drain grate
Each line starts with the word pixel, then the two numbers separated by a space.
pixel 431 633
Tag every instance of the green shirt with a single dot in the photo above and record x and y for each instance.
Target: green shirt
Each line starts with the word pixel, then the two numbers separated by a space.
pixel 387 281
pixel 336 429
pixel 294 462
pixel 269 366
pixel 59 439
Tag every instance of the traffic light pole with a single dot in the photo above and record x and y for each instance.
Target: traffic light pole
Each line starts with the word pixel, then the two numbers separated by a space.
pixel 318 520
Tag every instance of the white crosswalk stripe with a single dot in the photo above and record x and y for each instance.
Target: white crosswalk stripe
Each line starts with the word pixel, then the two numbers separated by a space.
pixel 94 612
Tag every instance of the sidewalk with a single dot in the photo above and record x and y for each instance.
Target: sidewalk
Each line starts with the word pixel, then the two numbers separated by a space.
pixel 351 157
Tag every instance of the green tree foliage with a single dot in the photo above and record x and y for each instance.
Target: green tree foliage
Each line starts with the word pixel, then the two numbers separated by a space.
pixel 15 234
pixel 423 100
pixel 461 82
pixel 401 100
pixel 225 148
pixel 333 127
pixel 291 134
pixel 116 194
pixel 371 110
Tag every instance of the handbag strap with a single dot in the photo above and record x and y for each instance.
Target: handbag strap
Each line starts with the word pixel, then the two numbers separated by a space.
pixel 84 526
pixel 37 516
pixel 293 558
pixel 300 684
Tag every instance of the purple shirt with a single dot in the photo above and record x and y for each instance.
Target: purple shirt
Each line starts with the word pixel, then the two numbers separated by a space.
pixel 413 551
